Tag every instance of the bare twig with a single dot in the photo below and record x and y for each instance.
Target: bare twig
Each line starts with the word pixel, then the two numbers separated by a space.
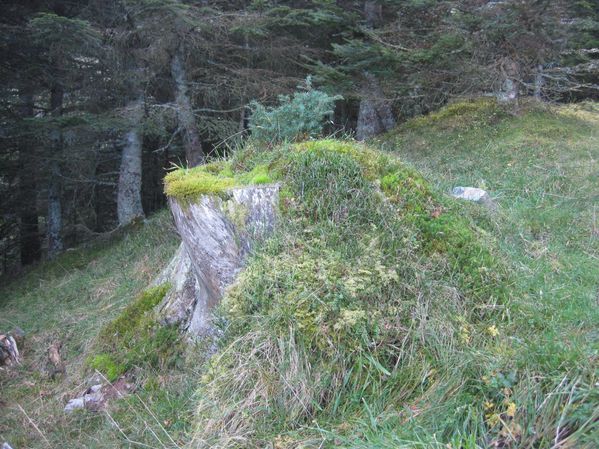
pixel 34 425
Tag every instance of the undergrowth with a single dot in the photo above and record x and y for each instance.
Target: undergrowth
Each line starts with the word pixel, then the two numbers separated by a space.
pixel 540 163
pixel 381 314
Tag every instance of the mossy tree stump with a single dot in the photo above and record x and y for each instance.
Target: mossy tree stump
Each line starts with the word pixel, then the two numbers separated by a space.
pixel 218 231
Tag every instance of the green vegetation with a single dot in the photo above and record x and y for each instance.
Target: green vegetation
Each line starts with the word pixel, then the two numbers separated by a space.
pixel 298 117
pixel 187 184
pixel 106 365
pixel 381 314
pixel 409 319
pixel 542 166
pixel 82 295
pixel 135 339
pixel 374 292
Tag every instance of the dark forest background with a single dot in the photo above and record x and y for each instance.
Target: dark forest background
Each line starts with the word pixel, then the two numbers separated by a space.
pixel 99 98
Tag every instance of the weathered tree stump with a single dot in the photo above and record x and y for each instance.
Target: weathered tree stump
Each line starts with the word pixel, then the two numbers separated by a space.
pixel 217 232
pixel 9 352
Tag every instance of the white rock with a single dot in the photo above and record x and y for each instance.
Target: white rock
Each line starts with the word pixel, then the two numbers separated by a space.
pixel 92 398
pixel 6 446
pixel 75 404
pixel 473 194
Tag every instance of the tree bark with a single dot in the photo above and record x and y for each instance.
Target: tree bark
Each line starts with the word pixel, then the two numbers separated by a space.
pixel 191 136
pixel 539 81
pixel 373 13
pixel 9 353
pixel 129 205
pixel 375 115
pixel 509 91
pixel 217 235
pixel 54 214
pixel 30 246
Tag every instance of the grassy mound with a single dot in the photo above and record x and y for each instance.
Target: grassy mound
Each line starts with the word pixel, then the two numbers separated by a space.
pixel 375 293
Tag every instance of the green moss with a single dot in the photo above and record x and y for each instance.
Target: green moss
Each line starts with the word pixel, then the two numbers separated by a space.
pixel 261 179
pixel 464 113
pixel 106 364
pixel 135 315
pixel 373 163
pixel 186 184
pixel 214 178
pixel 444 230
pixel 260 174
pixel 135 339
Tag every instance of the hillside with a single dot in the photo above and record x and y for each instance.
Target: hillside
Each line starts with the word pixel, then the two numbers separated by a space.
pixel 381 314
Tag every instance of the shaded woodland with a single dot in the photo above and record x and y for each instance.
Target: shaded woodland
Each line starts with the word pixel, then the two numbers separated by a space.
pixel 100 98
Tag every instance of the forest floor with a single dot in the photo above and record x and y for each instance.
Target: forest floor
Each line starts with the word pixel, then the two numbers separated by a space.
pixel 542 168
pixel 69 300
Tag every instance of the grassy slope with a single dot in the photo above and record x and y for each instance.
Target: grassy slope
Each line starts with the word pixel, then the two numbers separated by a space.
pixel 70 300
pixel 542 166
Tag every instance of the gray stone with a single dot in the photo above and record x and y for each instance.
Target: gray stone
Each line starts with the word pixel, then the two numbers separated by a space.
pixel 93 398
pixel 75 404
pixel 473 194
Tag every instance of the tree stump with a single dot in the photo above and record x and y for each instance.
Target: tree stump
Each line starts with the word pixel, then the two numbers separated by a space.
pixel 217 232
pixel 9 353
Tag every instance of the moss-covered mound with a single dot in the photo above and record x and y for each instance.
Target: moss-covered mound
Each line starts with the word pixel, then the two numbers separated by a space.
pixel 371 291
pixel 135 339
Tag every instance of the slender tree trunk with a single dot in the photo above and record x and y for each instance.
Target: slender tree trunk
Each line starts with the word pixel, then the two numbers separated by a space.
pixel 539 81
pixel 373 13
pixel 191 136
pixel 30 245
pixel 104 201
pixel 375 115
pixel 129 206
pixel 54 214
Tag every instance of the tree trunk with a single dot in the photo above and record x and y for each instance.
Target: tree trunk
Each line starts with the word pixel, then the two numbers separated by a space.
pixel 539 81
pixel 373 13
pixel 30 246
pixel 375 115
pixel 509 91
pixel 54 215
pixel 129 206
pixel 217 235
pixel 191 136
